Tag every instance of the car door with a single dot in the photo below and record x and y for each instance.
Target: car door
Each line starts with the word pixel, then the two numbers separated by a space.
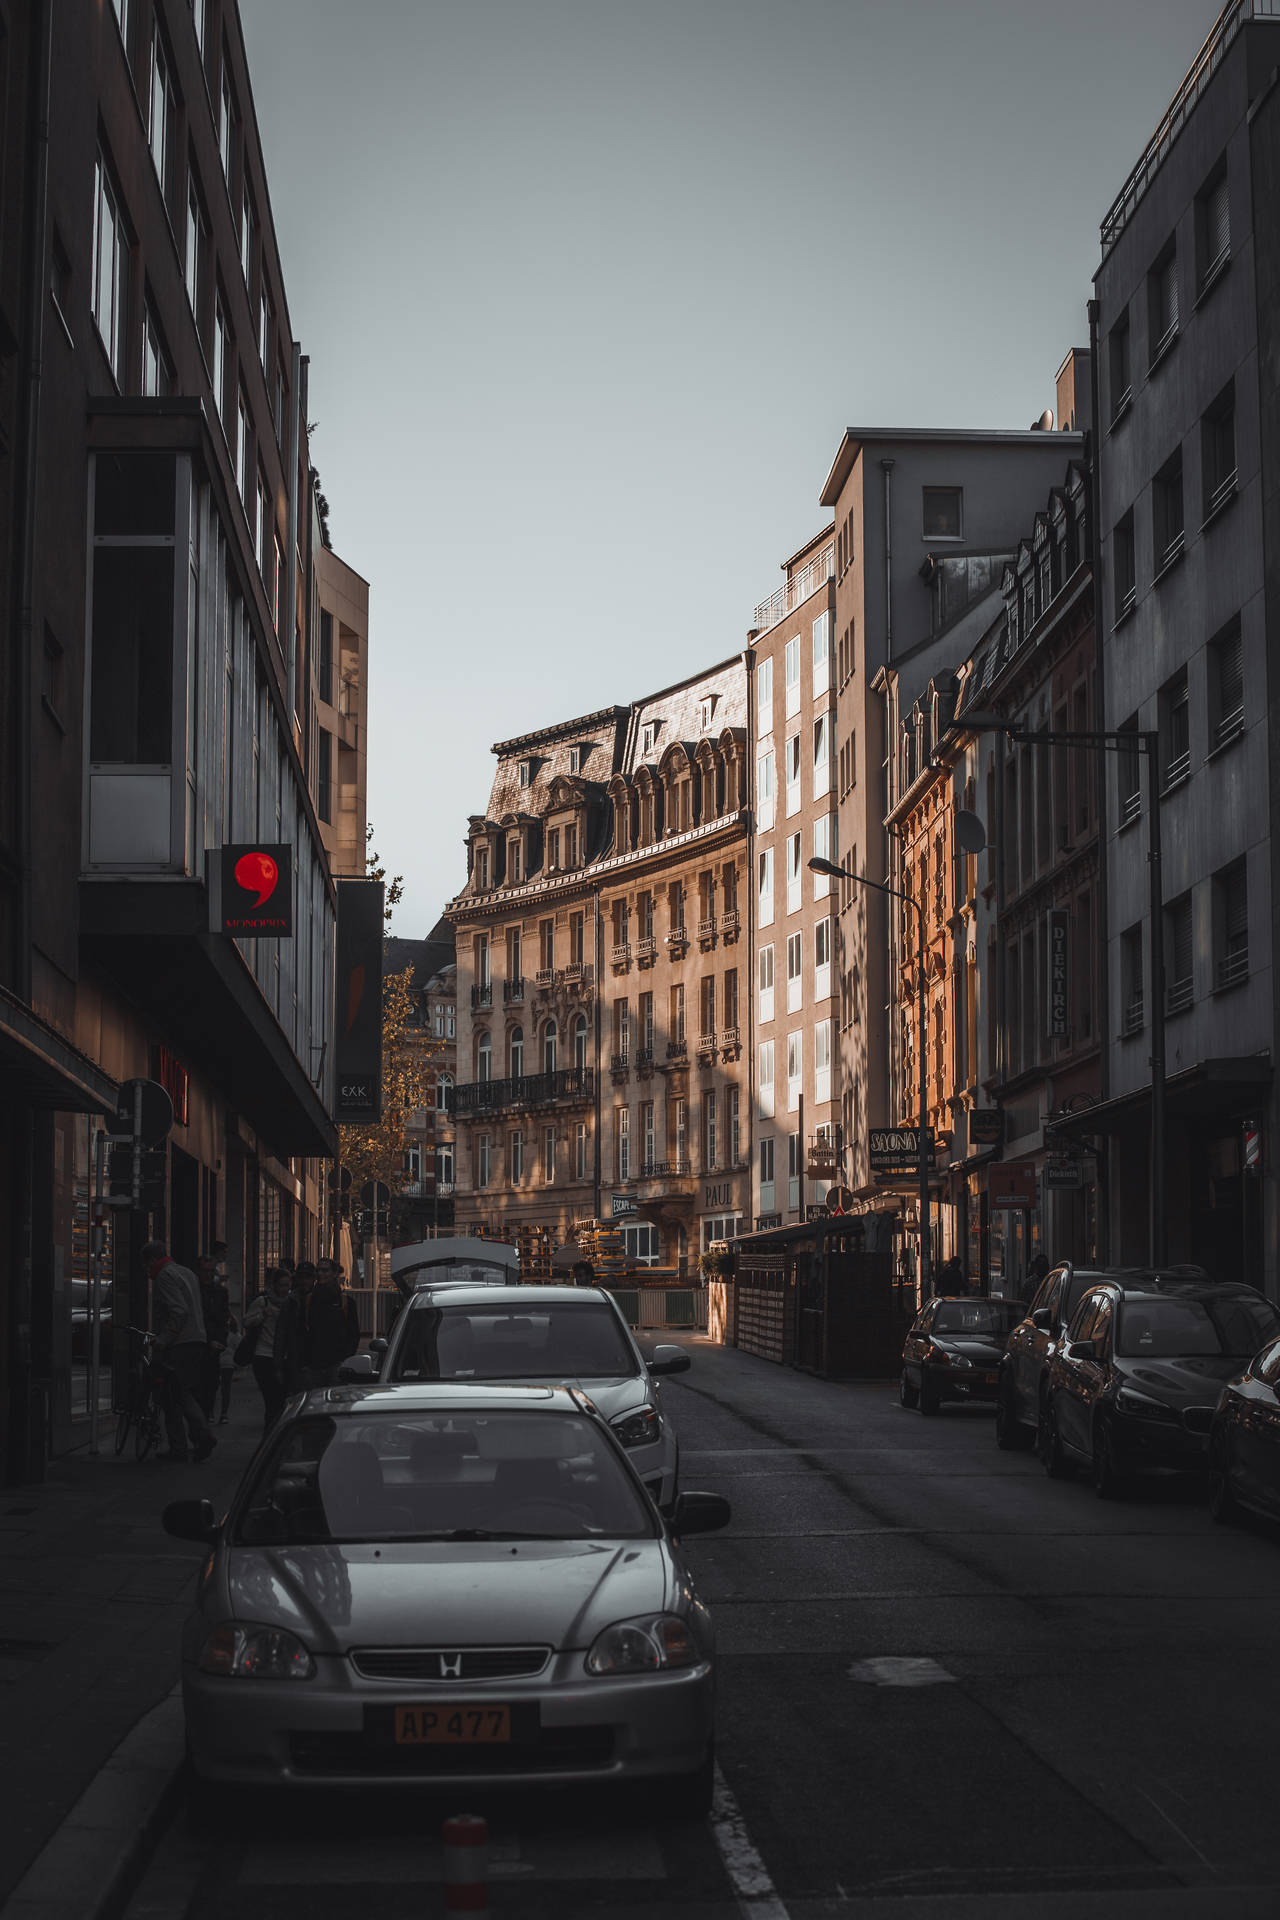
pixel 916 1342
pixel 1256 1436
pixel 1076 1380
pixel 1029 1346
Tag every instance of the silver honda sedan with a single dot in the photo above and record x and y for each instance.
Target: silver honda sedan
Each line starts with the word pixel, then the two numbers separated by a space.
pixel 443 1583
pixel 561 1335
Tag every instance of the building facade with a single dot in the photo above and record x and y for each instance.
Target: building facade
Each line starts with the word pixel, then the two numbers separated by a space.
pixel 1189 469
pixel 340 728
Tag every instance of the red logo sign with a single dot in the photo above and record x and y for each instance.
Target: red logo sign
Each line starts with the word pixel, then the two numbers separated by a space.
pixel 257 873
pixel 257 891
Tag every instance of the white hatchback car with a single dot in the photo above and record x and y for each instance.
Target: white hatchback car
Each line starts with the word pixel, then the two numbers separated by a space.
pixel 559 1336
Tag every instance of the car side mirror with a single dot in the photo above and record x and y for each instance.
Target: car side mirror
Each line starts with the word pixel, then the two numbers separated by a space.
pixel 1042 1317
pixel 1082 1350
pixel 700 1513
pixel 668 1358
pixel 359 1366
pixel 378 1347
pixel 190 1520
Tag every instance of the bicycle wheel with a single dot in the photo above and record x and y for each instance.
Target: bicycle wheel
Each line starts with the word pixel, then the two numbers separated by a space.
pixel 124 1420
pixel 147 1433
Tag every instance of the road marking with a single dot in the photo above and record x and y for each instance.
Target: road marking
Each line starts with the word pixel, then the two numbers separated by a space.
pixel 608 1857
pixel 889 1671
pixel 756 1894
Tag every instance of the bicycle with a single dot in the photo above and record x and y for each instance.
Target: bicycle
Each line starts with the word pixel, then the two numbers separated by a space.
pixel 141 1411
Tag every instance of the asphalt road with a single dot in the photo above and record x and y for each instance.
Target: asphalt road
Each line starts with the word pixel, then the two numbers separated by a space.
pixel 949 1689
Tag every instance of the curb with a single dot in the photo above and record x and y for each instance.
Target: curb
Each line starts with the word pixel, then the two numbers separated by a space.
pixel 96 1858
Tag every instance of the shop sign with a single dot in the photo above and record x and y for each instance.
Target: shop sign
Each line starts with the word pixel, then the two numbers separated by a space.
pixel 1061 1174
pixel 986 1127
pixel 1252 1140
pixel 1058 985
pixel 357 1011
pixel 1012 1183
pixel 897 1149
pixel 620 1205
pixel 718 1196
pixel 815 1213
pixel 256 892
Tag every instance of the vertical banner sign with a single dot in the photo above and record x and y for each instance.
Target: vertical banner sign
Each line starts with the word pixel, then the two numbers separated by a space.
pixel 1058 985
pixel 357 1006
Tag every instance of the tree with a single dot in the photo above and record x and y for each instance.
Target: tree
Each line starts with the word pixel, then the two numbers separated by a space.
pixel 377 1152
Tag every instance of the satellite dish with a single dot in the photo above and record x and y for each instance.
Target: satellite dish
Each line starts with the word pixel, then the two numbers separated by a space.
pixel 970 831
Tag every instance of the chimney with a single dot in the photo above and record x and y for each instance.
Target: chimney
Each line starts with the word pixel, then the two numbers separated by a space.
pixel 1073 409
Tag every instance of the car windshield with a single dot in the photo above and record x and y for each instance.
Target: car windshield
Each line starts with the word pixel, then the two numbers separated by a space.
pixel 570 1339
pixel 978 1316
pixel 405 1476
pixel 1178 1329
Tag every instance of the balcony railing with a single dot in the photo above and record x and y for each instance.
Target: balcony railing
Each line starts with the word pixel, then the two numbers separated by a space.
pixel 579 973
pixel 1228 727
pixel 619 1063
pixel 512 990
pixel 677 1049
pixel 644 1060
pixel 620 955
pixel 545 977
pixel 567 1084
pixel 730 1039
pixel 1179 995
pixel 729 923
pixel 707 933
pixel 678 942
pixel 646 949
pixel 482 996
pixel 796 591
pixel 1232 969
pixel 678 1169
pixel 1131 1021
pixel 706 1043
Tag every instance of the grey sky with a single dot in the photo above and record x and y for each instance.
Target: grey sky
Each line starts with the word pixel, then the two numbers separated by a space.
pixel 592 287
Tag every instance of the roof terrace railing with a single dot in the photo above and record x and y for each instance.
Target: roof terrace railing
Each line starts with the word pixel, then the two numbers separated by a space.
pixel 798 588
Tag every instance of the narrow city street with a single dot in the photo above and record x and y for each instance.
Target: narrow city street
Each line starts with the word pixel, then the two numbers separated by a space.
pixel 948 1687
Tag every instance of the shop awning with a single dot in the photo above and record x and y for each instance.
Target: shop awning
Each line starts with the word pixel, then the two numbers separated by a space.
pixel 39 1067
pixel 1210 1087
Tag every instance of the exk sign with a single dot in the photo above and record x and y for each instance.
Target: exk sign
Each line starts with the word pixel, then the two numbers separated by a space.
pixel 256 893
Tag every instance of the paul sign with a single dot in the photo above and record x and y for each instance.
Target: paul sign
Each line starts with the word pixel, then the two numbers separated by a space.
pixel 257 891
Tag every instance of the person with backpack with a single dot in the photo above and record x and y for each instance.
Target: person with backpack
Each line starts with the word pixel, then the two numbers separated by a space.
pixel 333 1326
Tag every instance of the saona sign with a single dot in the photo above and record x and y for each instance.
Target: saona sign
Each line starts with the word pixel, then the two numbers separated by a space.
pixel 897 1149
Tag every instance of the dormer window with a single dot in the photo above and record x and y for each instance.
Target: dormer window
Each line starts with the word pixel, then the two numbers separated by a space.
pixel 482 870
pixel 553 848
pixel 648 736
pixel 526 773
pixel 576 757
pixel 705 712
pixel 514 864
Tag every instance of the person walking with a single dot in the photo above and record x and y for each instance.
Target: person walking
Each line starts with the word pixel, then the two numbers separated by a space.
pixel 292 1329
pixel 333 1325
pixel 261 1326
pixel 177 1320
pixel 219 1325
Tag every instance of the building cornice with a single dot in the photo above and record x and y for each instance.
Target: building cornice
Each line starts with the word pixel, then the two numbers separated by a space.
pixel 562 730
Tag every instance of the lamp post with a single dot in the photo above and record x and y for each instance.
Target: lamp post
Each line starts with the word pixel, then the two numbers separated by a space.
pixel 819 865
pixel 1148 744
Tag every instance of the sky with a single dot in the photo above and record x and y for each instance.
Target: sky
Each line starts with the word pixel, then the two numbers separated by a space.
pixel 592 288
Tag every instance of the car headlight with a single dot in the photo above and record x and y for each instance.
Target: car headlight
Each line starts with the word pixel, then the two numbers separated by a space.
pixel 638 1429
pixel 255 1653
pixel 644 1646
pixel 1128 1400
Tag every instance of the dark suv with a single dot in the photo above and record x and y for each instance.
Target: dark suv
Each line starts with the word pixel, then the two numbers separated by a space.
pixel 1024 1369
pixel 1133 1387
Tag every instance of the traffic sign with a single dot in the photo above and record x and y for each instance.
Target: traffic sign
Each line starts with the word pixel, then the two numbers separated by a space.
pixel 144 1109
pixel 839 1200
pixel 375 1194
pixel 340 1180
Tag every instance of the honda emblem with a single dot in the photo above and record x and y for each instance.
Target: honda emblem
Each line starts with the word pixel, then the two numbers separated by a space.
pixel 451 1666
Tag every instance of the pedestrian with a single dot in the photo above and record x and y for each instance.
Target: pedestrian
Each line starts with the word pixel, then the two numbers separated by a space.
pixel 292 1329
pixel 1036 1272
pixel 219 1325
pixel 333 1325
pixel 951 1278
pixel 258 1347
pixel 177 1320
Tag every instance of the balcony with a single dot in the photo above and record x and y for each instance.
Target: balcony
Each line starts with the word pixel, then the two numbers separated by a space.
pixel 1131 1019
pixel 677 1169
pixel 706 934
pixel 1231 970
pixel 644 1062
pixel 620 1065
pixel 706 1046
pixel 730 1042
pixel 512 991
pixel 646 950
pixel 545 978
pixel 677 1049
pixel 482 996
pixel 678 942
pixel 796 591
pixel 1179 995
pixel 730 924
pixel 569 1086
pixel 620 956
pixel 578 973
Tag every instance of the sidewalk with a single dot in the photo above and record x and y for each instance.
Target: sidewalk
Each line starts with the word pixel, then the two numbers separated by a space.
pixel 92 1596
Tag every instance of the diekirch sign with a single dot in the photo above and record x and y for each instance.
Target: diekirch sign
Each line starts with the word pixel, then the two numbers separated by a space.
pixel 1058 984
pixel 1012 1183
pixel 256 891
pixel 357 1011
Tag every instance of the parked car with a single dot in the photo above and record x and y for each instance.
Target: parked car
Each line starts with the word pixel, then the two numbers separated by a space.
pixel 954 1348
pixel 1244 1441
pixel 448 1582
pixel 548 1333
pixel 1024 1367
pixel 1133 1388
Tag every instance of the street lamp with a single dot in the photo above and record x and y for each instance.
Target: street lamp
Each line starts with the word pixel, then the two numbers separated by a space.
pixel 820 865
pixel 1147 743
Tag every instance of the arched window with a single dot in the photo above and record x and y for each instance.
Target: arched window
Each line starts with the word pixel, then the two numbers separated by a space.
pixel 484 1058
pixel 580 1043
pixel 549 1047
pixel 515 1048
pixel 444 1087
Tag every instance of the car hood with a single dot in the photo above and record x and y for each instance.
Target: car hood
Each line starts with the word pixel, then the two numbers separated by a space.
pixel 612 1394
pixel 559 1593
pixel 984 1351
pixel 1195 1381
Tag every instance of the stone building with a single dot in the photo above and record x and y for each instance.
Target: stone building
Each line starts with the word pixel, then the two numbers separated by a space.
pixel 601 1015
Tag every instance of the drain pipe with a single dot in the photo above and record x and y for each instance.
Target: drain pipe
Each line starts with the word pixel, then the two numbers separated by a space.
pixel 886 468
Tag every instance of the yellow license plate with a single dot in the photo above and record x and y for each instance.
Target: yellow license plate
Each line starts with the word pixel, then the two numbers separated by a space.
pixel 452 1726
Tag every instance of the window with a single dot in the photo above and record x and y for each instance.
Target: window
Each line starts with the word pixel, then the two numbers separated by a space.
pixel 1179 982
pixel 515 1053
pixel 942 513
pixel 548 1156
pixel 795 968
pixel 1218 450
pixel 1175 729
pixel 514 963
pixel 1166 513
pixel 641 1245
pixel 1230 926
pixel 1129 773
pixel 515 1158
pixel 648 1134
pixel 1124 570
pixel 795 1070
pixel 226 120
pixel 731 999
pixel 580 1150
pixel 110 269
pixel 546 945
pixel 324 775
pixel 444 1087
pixel 622 1133
pixel 444 1166
pixel 705 709
pixel 680 1132
pixel 160 114
pixel 570 847
pixel 514 874
pixel 645 1034
pixel 766 1174
pixel 764 972
pixel 222 357
pixel 247 224
pixel 484 1159
pixel 577 939
pixel 648 737
pixel 1226 686
pixel 266 525
pixel 821 756
pixel 482 870
pixel 484 976
pixel 793 872
pixel 792 764
pixel 484 1059
pixel 1162 304
pixel 822 847
pixel 1120 377
pixel 580 1043
pixel 792 671
pixel 1213 228
pixel 676 1009
pixel 793 1173
pixel 821 654
pixel 822 1060
pixel 707 1007
pixel 764 915
pixel 553 849
pixel 197 234
pixel 243 444
pixel 576 757
pixel 764 792
pixel 822 960
pixel 123 9
pixel 197 21
pixel 710 1131
pixel 764 699
pixel 765 1079
pixel 550 1046
pixel 1131 993
pixel 622 1030
pixel 131 699
pixel 157 368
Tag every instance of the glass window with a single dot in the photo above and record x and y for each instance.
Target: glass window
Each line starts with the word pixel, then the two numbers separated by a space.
pixel 110 269
pixel 942 513
pixel 1170 1329
pixel 161 112
pixel 764 698
pixel 821 654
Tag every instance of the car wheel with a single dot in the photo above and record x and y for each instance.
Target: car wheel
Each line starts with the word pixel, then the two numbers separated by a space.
pixel 1224 1508
pixel 686 1796
pixel 928 1393
pixel 1011 1435
pixel 1109 1483
pixel 1054 1460
pixel 908 1395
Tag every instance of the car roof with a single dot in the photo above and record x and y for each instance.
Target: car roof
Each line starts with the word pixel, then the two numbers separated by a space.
pixel 1171 1284
pixel 445 1396
pixel 514 1296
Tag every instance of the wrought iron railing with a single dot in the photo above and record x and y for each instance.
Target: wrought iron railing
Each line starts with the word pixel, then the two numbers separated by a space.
pixel 796 591
pixel 566 1084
